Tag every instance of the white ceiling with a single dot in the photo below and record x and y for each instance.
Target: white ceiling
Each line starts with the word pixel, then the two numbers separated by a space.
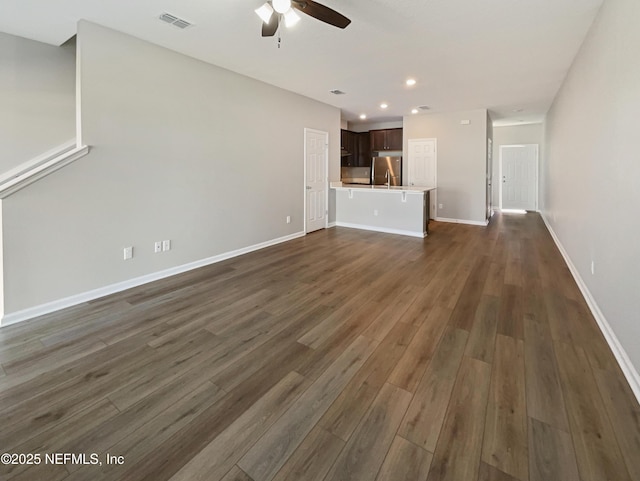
pixel 502 55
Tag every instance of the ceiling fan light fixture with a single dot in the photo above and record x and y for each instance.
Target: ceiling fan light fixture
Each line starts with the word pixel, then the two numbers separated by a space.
pixel 291 18
pixel 265 12
pixel 281 6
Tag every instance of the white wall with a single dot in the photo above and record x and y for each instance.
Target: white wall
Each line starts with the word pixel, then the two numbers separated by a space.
pixel 180 150
pixel 591 169
pixel 392 214
pixel 37 98
pixel 462 157
pixel 512 135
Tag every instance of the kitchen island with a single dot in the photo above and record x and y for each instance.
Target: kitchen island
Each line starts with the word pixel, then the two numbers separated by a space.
pixel 397 210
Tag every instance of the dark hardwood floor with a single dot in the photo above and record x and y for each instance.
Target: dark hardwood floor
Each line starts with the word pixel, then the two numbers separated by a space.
pixel 343 355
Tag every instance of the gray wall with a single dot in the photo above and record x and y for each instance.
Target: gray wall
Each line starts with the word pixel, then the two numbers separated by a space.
pixel 37 98
pixel 366 127
pixel 591 168
pixel 462 157
pixel 180 150
pixel 512 135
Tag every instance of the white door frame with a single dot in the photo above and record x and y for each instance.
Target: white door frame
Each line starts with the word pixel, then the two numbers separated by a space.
pixel 434 193
pixel 490 160
pixel 304 180
pixel 537 146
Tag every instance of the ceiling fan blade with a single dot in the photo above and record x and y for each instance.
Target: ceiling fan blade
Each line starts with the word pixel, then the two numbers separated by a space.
pixel 269 29
pixel 322 13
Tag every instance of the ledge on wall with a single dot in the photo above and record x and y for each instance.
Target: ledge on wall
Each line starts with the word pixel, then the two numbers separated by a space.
pixel 39 167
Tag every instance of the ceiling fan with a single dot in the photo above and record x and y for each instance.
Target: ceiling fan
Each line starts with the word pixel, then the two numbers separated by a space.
pixel 273 11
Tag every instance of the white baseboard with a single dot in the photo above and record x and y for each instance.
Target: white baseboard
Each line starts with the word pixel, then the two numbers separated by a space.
pixel 87 296
pixel 382 229
pixel 629 370
pixel 330 225
pixel 483 223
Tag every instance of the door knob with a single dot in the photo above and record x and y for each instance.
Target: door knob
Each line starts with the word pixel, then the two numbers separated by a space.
pixel 308 187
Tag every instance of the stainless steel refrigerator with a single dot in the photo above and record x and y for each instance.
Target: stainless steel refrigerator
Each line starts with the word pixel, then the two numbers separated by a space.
pixel 386 169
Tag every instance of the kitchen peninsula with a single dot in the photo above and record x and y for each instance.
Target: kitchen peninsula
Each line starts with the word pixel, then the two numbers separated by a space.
pixel 396 210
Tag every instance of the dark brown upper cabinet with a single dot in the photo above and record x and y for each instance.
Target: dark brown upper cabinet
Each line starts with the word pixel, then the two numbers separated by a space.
pixel 364 150
pixel 348 148
pixel 387 139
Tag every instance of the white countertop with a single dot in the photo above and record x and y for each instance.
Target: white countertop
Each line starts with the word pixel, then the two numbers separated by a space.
pixel 381 188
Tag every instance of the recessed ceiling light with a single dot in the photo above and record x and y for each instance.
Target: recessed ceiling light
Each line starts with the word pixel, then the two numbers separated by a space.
pixel 363 116
pixel 411 82
pixel 414 111
pixel 383 106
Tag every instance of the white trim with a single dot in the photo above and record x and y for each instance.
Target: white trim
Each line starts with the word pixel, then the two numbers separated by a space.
pixel 326 171
pixel 76 299
pixel 630 372
pixel 381 229
pixel 483 223
pixel 36 161
pixel 489 180
pixel 36 169
pixel 78 88
pixel 330 225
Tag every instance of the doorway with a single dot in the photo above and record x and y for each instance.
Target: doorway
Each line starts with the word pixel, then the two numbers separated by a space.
pixel 316 168
pixel 519 175
pixel 422 163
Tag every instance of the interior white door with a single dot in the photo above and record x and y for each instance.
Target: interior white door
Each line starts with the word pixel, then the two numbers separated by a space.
pixel 422 164
pixel 316 178
pixel 519 173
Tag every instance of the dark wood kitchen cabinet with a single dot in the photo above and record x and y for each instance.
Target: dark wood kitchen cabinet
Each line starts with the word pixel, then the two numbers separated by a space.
pixel 348 148
pixel 364 150
pixel 355 149
pixel 387 139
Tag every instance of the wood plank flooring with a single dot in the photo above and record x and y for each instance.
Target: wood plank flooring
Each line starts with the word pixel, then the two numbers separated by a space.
pixel 344 355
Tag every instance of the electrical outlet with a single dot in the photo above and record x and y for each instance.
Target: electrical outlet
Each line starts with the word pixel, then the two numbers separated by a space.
pixel 375 212
pixel 288 219
pixel 157 247
pixel 440 206
pixel 128 253
pixel 166 245
pixel 593 267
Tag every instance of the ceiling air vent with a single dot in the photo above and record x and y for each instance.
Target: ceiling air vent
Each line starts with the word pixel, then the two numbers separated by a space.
pixel 337 92
pixel 424 107
pixel 175 21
